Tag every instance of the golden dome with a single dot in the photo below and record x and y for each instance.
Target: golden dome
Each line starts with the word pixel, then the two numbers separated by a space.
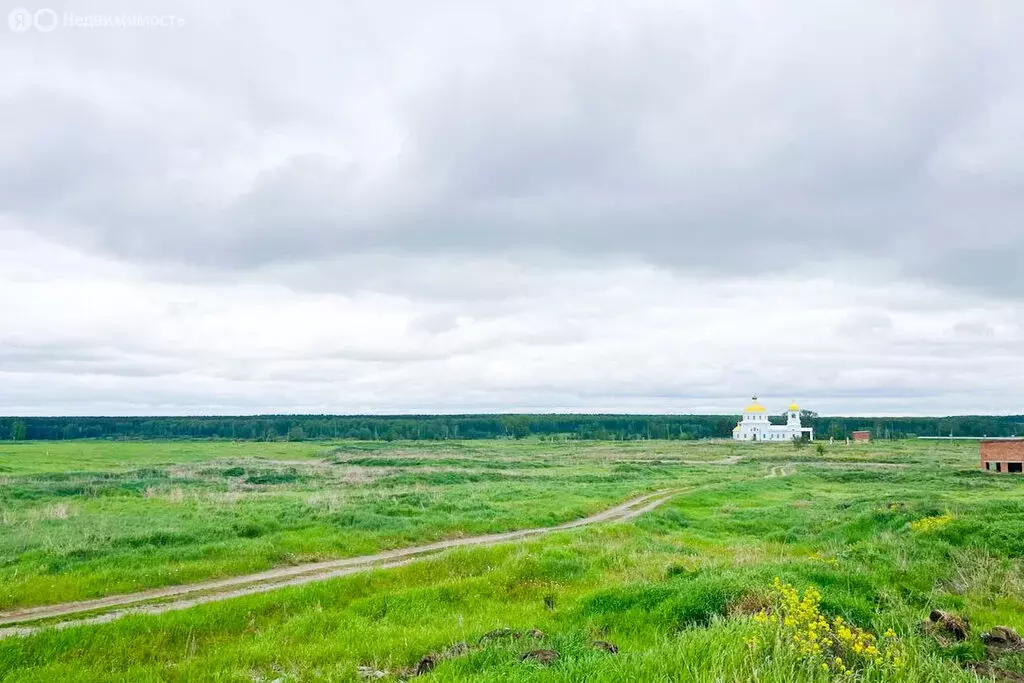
pixel 754 408
pixel 794 407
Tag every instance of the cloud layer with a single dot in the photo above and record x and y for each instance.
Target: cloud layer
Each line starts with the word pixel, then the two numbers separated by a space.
pixel 385 206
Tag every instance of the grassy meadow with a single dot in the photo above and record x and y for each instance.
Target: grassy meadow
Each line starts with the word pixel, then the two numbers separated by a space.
pixel 700 589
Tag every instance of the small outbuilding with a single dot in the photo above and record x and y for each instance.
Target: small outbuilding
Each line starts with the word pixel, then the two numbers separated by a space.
pixel 861 437
pixel 1005 455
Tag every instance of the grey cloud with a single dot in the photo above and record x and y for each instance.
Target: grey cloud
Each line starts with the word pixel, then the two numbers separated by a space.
pixel 691 137
pixel 866 324
pixel 84 360
pixel 435 323
pixel 497 205
pixel 974 329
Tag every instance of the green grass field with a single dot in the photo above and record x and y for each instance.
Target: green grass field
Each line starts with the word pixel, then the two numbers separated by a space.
pixel 885 532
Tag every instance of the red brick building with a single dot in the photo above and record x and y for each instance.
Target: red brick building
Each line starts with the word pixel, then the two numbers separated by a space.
pixel 1003 456
pixel 861 437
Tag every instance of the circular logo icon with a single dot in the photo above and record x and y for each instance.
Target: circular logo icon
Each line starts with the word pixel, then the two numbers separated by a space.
pixel 45 20
pixel 20 20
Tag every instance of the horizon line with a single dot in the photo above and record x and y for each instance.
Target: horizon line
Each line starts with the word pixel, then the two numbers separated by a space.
pixel 476 414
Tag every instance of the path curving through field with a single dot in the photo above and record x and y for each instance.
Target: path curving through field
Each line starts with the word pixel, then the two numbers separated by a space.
pixel 780 471
pixel 159 600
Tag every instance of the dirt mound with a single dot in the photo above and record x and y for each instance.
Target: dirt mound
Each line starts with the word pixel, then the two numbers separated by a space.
pixel 999 641
pixel 1002 639
pixel 544 657
pixel 945 626
pixel 990 670
pixel 500 633
pixel 429 661
pixel 426 664
pixel 456 650
pixel 748 605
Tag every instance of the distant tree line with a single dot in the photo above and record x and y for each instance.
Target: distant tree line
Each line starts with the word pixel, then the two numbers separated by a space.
pixel 434 427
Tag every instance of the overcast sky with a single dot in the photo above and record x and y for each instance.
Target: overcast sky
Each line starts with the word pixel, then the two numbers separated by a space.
pixel 473 205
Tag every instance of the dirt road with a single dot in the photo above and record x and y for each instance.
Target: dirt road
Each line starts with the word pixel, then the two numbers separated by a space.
pixel 171 598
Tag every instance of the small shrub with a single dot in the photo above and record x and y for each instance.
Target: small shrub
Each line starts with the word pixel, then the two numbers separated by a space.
pixel 248 530
pixel 680 570
pixel 665 521
pixel 698 602
pixel 288 476
pixel 681 603
pixel 157 539
pixel 928 524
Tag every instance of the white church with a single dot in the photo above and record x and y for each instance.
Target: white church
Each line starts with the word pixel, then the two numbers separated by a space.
pixel 755 425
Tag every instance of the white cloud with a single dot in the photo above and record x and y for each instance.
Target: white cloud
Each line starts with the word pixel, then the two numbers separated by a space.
pixel 91 335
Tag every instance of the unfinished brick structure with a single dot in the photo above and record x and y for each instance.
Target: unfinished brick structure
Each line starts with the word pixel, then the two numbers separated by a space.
pixel 861 437
pixel 1003 456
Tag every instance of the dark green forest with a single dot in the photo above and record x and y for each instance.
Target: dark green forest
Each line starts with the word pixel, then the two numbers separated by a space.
pixel 395 427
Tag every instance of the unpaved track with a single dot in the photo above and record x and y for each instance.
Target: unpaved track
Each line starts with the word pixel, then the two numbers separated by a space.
pixel 780 471
pixel 189 595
